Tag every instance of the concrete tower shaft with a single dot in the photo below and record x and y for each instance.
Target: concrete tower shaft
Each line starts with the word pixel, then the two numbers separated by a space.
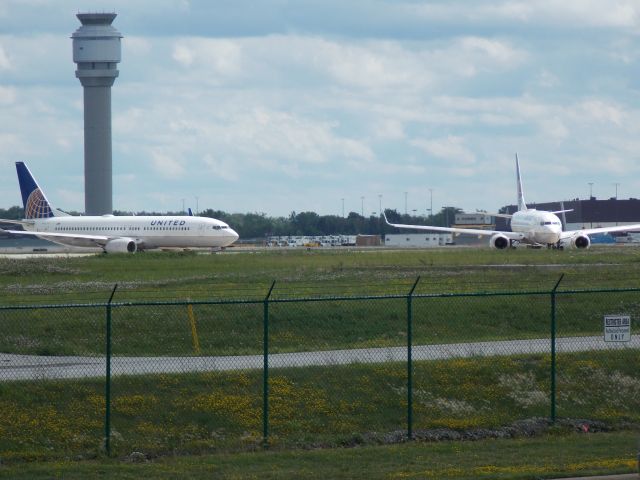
pixel 96 51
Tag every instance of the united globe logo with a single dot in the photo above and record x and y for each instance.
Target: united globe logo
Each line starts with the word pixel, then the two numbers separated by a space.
pixel 37 206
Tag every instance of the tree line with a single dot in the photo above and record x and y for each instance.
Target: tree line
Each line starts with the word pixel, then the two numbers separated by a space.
pixel 259 225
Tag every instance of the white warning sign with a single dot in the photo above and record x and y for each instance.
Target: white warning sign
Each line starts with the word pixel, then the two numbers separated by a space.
pixel 617 328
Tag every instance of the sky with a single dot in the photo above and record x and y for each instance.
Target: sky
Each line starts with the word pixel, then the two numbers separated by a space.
pixel 277 106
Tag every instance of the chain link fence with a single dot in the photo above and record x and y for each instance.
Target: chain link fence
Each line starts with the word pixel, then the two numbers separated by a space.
pixel 78 381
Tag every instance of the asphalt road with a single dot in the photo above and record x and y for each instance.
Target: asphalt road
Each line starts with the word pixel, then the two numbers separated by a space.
pixel 32 367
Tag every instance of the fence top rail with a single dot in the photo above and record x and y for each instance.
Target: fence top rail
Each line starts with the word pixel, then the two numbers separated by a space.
pixel 36 306
pixel 326 298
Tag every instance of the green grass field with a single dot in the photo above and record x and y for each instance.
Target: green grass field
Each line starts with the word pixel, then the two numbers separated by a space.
pixel 167 416
pixel 548 456
pixel 320 325
pixel 314 407
pixel 237 274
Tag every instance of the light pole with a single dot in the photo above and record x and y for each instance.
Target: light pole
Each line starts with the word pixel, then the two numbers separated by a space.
pixel 380 201
pixel 431 201
pixel 342 207
pixel 362 206
pixel 197 209
pixel 405 202
pixel 590 190
pixel 617 184
pixel 183 210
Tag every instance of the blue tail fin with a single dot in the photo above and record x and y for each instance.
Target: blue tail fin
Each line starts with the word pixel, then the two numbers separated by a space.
pixel 35 203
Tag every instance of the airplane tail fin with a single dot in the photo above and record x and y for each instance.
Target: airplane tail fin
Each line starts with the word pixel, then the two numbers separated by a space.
pixel 564 217
pixel 521 203
pixel 35 203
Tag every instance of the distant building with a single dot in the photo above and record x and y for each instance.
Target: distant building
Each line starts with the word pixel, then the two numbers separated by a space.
pixel 477 219
pixel 426 239
pixel 367 240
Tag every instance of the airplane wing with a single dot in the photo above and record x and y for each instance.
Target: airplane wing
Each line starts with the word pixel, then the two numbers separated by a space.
pixel 66 238
pixel 455 231
pixel 16 222
pixel 593 231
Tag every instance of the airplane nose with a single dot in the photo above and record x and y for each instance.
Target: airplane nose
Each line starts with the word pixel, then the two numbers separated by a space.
pixel 233 236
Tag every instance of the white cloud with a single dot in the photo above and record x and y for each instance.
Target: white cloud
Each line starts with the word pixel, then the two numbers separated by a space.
pixel 496 51
pixel 555 128
pixel 291 108
pixel 7 95
pixel 223 169
pixel 601 111
pixel 66 198
pixel 547 79
pixel 138 46
pixel 220 56
pixel 450 148
pixel 389 129
pixel 568 13
pixel 620 166
pixel 165 164
pixel 5 63
pixel 183 55
pixel 371 64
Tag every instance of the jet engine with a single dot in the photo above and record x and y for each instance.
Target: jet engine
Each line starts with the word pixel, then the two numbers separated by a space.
pixel 121 245
pixel 580 241
pixel 499 241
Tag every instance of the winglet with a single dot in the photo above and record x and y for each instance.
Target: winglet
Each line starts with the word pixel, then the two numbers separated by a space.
pixel 521 203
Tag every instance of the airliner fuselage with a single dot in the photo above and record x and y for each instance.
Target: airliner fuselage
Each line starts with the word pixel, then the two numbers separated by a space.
pixel 146 231
pixel 114 233
pixel 538 227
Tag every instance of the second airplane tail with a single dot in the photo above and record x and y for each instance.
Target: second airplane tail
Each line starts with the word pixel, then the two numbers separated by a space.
pixel 521 203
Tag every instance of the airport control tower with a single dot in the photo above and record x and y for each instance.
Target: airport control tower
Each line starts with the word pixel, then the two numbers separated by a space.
pixel 96 51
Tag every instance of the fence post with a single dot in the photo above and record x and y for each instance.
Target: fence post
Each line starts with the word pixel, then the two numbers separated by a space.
pixel 107 389
pixel 265 369
pixel 410 361
pixel 553 349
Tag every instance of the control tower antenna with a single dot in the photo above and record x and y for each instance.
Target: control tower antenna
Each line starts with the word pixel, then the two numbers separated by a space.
pixel 96 51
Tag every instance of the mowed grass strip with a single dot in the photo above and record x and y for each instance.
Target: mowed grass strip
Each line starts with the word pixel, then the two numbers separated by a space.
pixel 299 272
pixel 236 328
pixel 316 407
pixel 549 456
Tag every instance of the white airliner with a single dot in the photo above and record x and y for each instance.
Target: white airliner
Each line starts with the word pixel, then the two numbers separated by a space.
pixel 529 226
pixel 114 233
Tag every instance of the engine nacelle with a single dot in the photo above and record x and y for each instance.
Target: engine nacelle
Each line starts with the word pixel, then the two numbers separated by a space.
pixel 580 241
pixel 499 241
pixel 121 245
